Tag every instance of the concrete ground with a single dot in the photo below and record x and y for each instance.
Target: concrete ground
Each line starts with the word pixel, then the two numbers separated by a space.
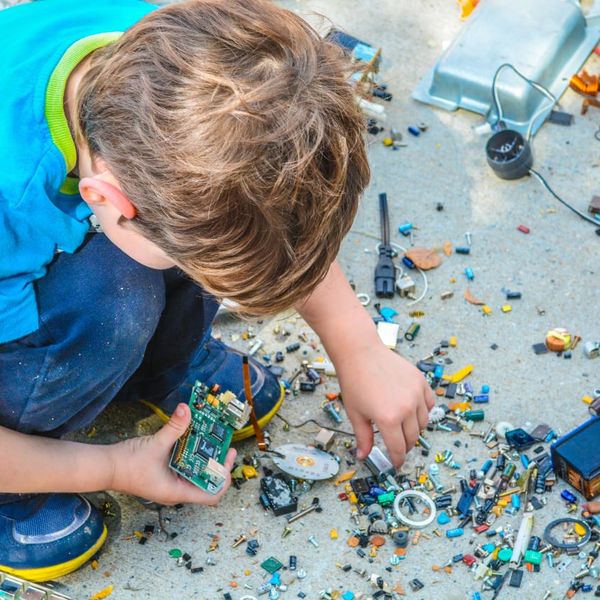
pixel 555 267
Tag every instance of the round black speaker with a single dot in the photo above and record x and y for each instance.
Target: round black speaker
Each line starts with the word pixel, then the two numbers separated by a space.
pixel 509 154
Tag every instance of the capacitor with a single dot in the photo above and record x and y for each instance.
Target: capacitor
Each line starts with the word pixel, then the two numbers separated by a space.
pixel 407 262
pixel 469 273
pixel 412 331
pixel 568 496
pixel 293 561
pixel 481 399
pixel 308 386
pixel 474 415
pixel 405 228
pixel 452 533
pixel 293 347
pixel 513 295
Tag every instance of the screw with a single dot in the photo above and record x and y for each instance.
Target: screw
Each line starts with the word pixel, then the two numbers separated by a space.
pixel 314 506
pixel 286 531
pixel 313 541
pixel 436 482
pixel 468 237
pixel 239 540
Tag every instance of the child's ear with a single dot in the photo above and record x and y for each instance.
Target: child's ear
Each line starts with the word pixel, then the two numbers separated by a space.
pixel 97 191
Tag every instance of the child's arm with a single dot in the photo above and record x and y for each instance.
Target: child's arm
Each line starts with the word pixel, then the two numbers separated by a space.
pixel 136 466
pixel 378 386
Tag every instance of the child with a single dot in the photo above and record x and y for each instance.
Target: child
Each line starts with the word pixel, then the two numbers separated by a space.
pixel 218 145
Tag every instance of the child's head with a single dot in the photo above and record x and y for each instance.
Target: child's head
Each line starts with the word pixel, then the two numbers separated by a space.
pixel 232 129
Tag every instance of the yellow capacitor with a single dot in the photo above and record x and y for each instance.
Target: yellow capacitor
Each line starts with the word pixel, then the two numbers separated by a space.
pixel 453 341
pixel 486 310
pixel 506 308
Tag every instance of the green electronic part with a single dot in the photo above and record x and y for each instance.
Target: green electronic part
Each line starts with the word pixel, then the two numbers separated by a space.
pixel 199 454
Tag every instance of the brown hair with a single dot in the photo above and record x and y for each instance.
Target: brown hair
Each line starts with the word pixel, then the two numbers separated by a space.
pixel 232 128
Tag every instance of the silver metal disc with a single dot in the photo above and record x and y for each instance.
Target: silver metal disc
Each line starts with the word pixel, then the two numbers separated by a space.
pixel 305 462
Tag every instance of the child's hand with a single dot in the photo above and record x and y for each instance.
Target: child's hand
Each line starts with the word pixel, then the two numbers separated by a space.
pixel 381 387
pixel 141 466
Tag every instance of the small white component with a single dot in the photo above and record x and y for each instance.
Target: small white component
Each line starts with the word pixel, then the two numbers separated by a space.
pixel 406 286
pixel 388 333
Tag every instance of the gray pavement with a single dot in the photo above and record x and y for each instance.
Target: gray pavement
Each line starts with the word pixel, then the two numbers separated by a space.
pixel 555 267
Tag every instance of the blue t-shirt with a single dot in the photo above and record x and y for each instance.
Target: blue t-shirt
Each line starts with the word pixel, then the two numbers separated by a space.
pixel 41 211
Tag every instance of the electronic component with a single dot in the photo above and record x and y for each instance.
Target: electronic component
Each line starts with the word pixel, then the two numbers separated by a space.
pixel 278 495
pixel 199 454
pixel 305 462
pixel 516 578
pixel 271 565
pixel 576 458
pixel 378 463
pixel 15 588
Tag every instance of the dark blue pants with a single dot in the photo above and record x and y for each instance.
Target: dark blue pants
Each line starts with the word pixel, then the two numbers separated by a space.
pixel 110 329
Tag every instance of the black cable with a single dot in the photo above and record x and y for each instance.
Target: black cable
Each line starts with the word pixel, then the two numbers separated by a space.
pixel 299 425
pixel 569 206
pixel 384 217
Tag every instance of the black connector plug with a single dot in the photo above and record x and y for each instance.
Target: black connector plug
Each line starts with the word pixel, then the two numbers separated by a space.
pixel 385 272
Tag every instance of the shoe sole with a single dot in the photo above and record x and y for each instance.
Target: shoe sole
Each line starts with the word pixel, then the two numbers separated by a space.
pixel 55 571
pixel 240 434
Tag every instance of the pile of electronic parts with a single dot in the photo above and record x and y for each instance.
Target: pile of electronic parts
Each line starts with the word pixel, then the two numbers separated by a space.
pixel 440 497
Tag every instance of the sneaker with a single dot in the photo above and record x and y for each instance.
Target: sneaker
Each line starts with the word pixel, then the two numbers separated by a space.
pixel 48 536
pixel 217 363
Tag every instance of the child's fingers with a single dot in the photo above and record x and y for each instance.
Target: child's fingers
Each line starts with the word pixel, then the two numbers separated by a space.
pixel 175 428
pixel 230 458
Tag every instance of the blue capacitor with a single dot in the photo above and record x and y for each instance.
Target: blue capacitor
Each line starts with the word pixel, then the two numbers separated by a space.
pixel 438 372
pixel 452 533
pixel 457 558
pixel 469 273
pixel 481 399
pixel 405 228
pixel 487 465
pixel 407 262
pixel 462 250
pixel 485 389
pixel 516 501
pixel 376 491
pixel 476 596
pixel 489 547
pixel 414 131
pixel 568 497
pixel 524 460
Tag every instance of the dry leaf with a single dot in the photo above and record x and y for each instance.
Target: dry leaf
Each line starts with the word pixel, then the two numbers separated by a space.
pixel 471 299
pixel 447 248
pixel 424 258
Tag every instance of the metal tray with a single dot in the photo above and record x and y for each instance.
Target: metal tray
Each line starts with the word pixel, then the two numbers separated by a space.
pixel 546 40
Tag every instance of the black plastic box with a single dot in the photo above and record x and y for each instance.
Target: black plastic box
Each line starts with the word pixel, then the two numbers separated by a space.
pixel 576 458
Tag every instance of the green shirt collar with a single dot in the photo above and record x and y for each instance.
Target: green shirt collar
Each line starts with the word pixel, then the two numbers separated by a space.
pixel 55 94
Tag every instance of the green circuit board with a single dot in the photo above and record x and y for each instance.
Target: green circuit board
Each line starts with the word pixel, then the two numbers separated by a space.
pixel 199 455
